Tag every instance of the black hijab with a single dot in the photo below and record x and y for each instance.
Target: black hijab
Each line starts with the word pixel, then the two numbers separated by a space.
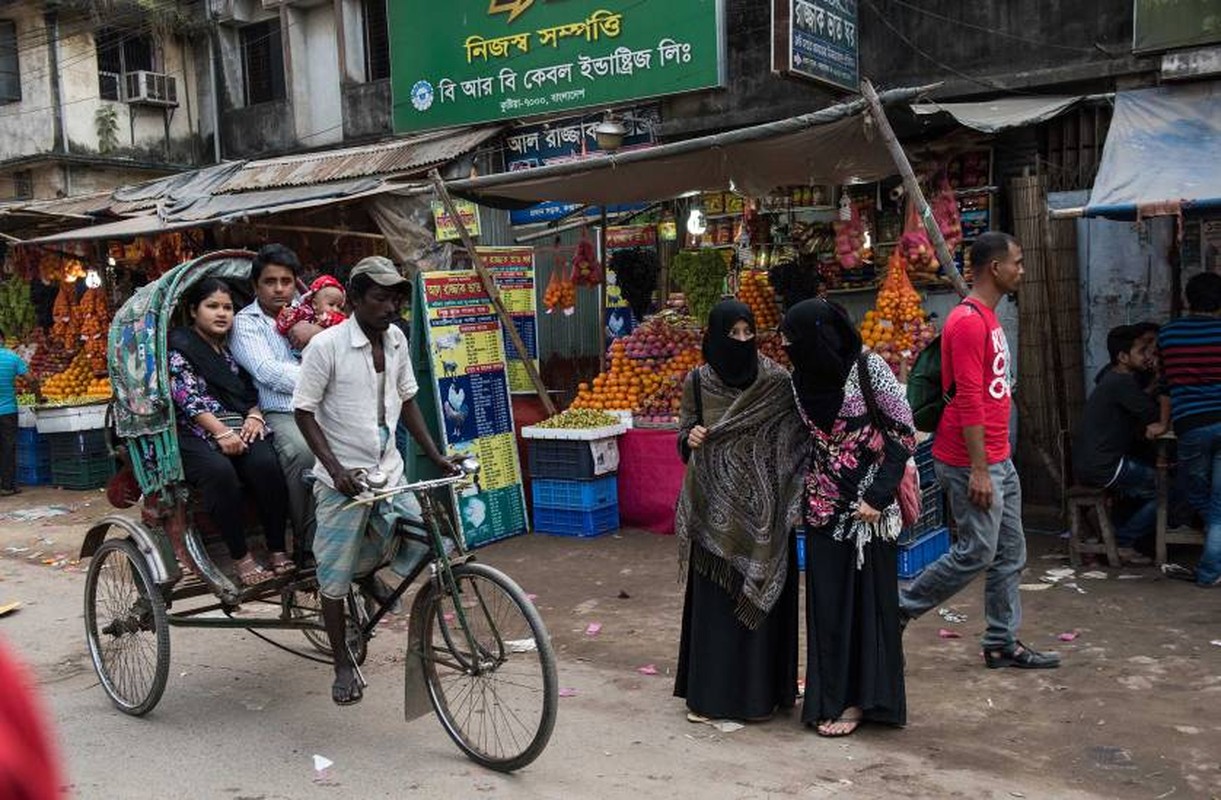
pixel 823 346
pixel 735 363
pixel 235 392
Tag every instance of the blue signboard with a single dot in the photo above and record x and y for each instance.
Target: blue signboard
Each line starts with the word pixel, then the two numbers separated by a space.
pixel 822 41
pixel 567 140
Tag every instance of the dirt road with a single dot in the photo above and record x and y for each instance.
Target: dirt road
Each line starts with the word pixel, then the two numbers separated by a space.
pixel 1133 714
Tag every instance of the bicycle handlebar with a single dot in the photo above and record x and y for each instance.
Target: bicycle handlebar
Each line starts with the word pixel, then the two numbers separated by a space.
pixel 468 473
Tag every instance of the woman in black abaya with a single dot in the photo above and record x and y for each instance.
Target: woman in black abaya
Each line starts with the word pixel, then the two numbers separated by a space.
pixel 744 445
pixel 861 430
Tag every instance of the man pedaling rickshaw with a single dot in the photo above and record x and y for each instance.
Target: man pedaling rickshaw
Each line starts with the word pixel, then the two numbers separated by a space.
pixel 356 382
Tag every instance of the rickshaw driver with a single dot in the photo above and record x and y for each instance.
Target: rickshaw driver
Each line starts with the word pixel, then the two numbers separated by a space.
pixel 356 381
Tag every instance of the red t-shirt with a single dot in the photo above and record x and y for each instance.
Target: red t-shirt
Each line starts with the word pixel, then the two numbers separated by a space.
pixel 975 360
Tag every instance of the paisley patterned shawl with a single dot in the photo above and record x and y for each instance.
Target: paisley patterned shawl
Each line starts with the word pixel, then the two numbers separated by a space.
pixel 846 459
pixel 742 491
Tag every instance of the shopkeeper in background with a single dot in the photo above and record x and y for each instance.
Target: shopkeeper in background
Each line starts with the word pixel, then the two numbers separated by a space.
pixel 268 356
pixel 11 366
pixel 744 446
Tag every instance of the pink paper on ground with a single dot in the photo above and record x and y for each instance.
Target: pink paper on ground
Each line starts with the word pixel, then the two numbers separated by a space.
pixel 650 478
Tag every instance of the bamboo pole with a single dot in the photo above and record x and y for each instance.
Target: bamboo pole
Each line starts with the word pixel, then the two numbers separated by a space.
pixel 912 187
pixel 489 285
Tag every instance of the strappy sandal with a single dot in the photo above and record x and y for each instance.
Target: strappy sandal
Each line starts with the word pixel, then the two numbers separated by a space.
pixel 281 564
pixel 347 692
pixel 251 572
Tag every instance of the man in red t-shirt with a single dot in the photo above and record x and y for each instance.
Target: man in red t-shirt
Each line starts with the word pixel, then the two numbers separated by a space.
pixel 972 459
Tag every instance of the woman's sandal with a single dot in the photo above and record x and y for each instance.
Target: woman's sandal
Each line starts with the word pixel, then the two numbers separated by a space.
pixel 826 727
pixel 281 564
pixel 251 572
pixel 347 692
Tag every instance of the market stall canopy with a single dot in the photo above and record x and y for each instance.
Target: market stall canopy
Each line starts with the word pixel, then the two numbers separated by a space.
pixel 834 145
pixel 129 227
pixel 994 116
pixel 1161 153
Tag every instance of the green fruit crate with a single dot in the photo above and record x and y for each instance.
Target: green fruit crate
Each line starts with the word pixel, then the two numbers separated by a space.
pixel 88 473
pixel 78 445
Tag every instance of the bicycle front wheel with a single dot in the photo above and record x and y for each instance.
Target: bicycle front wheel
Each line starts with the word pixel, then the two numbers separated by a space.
pixel 490 668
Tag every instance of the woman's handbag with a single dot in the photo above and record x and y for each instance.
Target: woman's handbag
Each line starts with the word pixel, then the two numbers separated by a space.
pixel 908 493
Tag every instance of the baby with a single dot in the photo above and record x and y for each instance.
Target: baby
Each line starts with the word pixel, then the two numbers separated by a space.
pixel 322 305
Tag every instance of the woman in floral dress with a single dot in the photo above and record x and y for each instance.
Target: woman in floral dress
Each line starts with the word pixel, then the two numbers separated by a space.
pixel 862 437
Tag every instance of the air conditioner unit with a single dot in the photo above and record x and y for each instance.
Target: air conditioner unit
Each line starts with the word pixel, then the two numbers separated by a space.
pixel 150 89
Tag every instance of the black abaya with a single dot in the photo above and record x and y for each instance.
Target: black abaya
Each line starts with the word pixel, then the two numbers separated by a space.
pixel 728 671
pixel 854 651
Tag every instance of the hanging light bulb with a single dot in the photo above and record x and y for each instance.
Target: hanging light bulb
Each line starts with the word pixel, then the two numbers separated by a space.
pixel 696 224
pixel 92 279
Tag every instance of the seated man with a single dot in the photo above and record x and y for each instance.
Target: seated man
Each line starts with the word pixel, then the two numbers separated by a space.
pixel 259 348
pixel 356 381
pixel 1191 363
pixel 1110 451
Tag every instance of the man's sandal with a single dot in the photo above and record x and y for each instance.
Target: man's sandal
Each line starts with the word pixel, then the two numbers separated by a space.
pixel 347 692
pixel 251 572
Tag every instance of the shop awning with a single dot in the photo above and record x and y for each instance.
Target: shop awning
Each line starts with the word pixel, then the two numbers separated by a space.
pixel 1161 153
pixel 993 116
pixel 831 146
pixel 145 225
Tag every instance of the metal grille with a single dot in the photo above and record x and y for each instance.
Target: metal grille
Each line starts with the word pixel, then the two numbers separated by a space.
pixel 377 40
pixel 10 74
pixel 262 62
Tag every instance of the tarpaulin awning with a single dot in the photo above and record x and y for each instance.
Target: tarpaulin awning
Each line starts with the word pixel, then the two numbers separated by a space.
pixel 993 116
pixel 146 225
pixel 834 145
pixel 1161 153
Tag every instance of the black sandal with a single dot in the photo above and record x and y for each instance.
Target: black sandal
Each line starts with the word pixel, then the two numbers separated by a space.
pixel 347 693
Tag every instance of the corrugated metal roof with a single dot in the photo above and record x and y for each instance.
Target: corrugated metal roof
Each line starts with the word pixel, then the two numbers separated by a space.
pixel 77 205
pixel 397 157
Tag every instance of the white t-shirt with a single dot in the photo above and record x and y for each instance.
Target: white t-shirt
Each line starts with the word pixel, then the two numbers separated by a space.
pixel 340 387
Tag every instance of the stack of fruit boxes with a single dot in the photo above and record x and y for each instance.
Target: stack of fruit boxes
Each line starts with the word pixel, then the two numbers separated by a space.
pixel 574 480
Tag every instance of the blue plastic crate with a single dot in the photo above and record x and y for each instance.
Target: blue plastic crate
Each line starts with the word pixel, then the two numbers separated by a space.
pixel 569 522
pixel 915 556
pixel 932 514
pixel 28 437
pixel 924 464
pixel 801 551
pixel 575 495
pixel 34 475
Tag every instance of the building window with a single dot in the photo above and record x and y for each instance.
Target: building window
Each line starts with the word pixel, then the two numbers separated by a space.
pixel 262 62
pixel 23 185
pixel 377 40
pixel 10 75
pixel 120 52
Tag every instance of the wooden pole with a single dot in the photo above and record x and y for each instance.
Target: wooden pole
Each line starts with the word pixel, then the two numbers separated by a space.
pixel 602 254
pixel 912 187
pixel 489 285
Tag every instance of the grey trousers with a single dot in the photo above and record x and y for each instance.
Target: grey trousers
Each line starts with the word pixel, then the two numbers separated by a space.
pixel 296 459
pixel 990 540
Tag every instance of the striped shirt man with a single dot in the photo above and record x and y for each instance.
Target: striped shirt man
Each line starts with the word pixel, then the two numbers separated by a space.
pixel 1191 361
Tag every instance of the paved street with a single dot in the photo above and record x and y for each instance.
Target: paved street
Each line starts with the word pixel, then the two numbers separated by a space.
pixel 1127 717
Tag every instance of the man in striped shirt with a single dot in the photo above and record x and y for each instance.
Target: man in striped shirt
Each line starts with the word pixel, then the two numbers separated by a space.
pixel 1191 360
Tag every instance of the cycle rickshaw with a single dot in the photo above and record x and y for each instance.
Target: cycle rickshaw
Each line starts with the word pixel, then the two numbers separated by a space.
pixel 477 653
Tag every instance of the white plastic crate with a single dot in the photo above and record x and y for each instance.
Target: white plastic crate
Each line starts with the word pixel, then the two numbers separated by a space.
pixel 68 419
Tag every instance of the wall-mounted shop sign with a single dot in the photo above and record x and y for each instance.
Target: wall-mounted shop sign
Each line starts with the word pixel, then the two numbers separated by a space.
pixel 447 228
pixel 1168 24
pixel 567 140
pixel 817 39
pixel 468 61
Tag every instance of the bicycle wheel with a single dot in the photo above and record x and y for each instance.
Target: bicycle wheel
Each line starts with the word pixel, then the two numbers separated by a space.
pixel 496 699
pixel 126 627
pixel 306 604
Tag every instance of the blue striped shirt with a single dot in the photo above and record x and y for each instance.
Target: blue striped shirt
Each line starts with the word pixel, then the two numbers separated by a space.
pixel 266 354
pixel 11 366
pixel 1191 358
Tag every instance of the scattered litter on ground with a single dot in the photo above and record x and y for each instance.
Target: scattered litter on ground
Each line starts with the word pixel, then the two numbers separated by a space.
pixel 1216 642
pixel 9 608
pixel 726 725
pixel 1129 577
pixel 1111 757
pixel 35 513
pixel 1052 557
pixel 1058 574
pixel 1095 575
pixel 531 597
pixel 1069 636
pixel 521 645
pixel 647 669
pixel 568 692
pixel 990 703
pixel 1178 571
pixel 1190 730
pixel 624 595
pixel 593 629
pixel 946 633
pixel 322 762
pixel 1073 585
pixel 951 616
pixel 1034 587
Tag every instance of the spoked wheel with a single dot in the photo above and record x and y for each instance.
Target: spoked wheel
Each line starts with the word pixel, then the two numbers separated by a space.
pixel 307 604
pixel 492 682
pixel 126 626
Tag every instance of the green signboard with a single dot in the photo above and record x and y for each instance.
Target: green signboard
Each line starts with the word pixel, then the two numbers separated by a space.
pixel 1170 24
pixel 470 61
